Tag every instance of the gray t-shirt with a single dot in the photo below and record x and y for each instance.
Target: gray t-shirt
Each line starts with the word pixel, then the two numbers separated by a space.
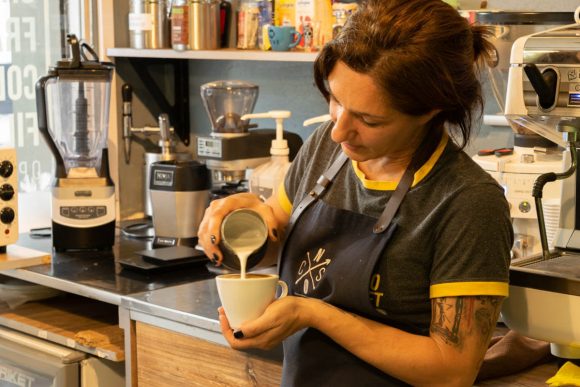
pixel 453 236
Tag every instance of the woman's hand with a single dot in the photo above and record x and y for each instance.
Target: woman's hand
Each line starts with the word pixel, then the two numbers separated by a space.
pixel 209 229
pixel 281 319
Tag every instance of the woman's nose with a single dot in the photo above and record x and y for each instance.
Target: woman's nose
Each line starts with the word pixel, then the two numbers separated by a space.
pixel 342 125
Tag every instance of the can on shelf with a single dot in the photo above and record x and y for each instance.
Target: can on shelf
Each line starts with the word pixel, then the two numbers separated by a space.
pixel 204 24
pixel 140 23
pixel 160 33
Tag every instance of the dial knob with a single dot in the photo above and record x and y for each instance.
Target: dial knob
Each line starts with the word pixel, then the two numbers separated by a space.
pixel 6 192
pixel 6 168
pixel 7 215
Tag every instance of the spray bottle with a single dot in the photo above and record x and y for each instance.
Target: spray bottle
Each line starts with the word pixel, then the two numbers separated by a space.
pixel 266 178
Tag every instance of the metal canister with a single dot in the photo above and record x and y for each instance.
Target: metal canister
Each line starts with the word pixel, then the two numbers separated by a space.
pixel 180 25
pixel 160 31
pixel 204 24
pixel 140 23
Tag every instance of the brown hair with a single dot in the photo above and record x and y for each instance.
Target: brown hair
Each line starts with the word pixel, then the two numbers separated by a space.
pixel 420 52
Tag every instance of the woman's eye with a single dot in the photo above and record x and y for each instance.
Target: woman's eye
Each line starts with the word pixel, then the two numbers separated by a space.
pixel 370 123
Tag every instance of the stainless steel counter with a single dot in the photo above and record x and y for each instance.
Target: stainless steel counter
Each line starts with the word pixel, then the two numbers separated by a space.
pixel 180 299
pixel 193 304
pixel 98 274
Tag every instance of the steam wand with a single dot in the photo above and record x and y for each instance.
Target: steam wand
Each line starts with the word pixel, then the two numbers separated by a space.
pixel 164 129
pixel 570 130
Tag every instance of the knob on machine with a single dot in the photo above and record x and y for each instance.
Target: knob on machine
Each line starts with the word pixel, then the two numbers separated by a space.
pixel 8 198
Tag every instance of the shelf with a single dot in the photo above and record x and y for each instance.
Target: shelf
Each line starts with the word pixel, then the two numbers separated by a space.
pixel 225 54
pixel 71 321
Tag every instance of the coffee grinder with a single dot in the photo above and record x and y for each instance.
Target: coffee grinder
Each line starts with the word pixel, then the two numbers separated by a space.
pixel 231 148
pixel 72 103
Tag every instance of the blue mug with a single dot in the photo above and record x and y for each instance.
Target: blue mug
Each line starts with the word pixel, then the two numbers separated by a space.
pixel 283 38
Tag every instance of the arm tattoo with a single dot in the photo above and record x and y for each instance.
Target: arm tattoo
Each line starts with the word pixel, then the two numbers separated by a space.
pixel 446 317
pixel 486 315
pixel 454 318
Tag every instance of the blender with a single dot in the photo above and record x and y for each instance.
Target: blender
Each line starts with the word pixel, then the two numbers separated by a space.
pixel 72 103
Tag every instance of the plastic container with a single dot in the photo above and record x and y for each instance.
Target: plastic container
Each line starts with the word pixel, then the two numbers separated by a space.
pixel 266 178
pixel 313 19
pixel 341 12
pixel 248 25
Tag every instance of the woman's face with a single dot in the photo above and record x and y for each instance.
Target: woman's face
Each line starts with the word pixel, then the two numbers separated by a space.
pixel 365 124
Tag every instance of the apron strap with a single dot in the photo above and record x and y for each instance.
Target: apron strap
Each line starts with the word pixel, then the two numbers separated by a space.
pixel 425 150
pixel 321 184
pixel 395 201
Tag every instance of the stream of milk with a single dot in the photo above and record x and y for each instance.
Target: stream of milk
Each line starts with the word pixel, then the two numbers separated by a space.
pixel 243 253
pixel 243 245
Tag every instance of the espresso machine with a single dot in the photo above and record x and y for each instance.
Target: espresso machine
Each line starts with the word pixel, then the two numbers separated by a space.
pixel 543 95
pixel 532 154
pixel 232 150
pixel 72 103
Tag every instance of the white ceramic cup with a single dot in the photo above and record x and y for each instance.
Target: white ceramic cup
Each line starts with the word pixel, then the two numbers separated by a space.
pixel 246 299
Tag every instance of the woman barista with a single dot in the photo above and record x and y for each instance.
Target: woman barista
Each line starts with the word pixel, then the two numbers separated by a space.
pixel 397 243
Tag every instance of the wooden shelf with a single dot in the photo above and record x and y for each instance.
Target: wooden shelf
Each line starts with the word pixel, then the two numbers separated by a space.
pixel 223 54
pixel 74 322
pixel 17 257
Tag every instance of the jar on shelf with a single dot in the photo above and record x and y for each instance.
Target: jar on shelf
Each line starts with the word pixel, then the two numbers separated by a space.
pixel 179 25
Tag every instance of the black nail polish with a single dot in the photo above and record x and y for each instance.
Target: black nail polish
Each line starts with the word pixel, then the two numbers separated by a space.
pixel 239 335
pixel 275 232
pixel 215 257
pixel 212 239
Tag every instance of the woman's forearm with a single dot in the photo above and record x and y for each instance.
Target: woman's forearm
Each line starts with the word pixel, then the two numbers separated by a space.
pixel 415 359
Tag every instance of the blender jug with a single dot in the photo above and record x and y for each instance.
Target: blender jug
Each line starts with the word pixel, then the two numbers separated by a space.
pixel 72 102
pixel 73 109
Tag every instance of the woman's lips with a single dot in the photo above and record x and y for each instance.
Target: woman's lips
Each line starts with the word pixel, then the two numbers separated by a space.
pixel 349 147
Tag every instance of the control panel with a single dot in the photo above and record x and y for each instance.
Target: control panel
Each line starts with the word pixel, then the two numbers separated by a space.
pixel 8 197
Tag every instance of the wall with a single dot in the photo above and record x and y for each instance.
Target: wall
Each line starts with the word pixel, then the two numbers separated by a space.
pixel 290 86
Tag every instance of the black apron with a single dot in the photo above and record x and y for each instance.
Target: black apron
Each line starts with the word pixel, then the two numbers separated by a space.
pixel 331 256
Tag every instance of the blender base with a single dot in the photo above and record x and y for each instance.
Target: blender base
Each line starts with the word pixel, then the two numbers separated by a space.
pixel 66 238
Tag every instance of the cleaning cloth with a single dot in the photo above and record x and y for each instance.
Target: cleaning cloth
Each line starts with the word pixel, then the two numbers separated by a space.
pixel 512 353
pixel 567 375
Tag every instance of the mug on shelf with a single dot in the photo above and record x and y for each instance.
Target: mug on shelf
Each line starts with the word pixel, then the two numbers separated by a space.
pixel 283 38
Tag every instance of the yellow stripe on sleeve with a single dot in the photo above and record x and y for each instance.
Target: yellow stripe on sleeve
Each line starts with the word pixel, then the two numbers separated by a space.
pixel 480 288
pixel 283 199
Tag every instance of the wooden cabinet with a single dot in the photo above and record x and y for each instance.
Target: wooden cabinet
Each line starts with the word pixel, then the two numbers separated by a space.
pixel 167 358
